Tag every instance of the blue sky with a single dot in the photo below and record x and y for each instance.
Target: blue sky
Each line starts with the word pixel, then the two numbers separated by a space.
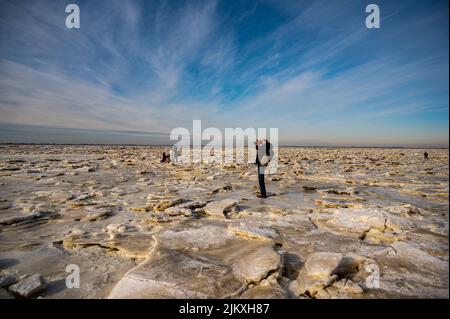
pixel 310 68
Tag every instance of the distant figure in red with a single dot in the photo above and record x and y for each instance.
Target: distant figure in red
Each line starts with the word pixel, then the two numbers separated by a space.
pixel 425 156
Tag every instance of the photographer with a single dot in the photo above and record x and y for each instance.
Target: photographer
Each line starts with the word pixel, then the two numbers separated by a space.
pixel 263 157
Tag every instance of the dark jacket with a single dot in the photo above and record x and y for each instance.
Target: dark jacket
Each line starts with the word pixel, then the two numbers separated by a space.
pixel 262 150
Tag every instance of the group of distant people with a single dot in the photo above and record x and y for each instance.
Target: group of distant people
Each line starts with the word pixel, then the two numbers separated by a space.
pixel 172 157
pixel 165 158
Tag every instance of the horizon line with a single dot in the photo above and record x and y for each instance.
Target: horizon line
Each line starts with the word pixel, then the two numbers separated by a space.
pixel 169 145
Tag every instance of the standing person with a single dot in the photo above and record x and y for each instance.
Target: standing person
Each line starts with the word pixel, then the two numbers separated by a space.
pixel 174 154
pixel 425 156
pixel 211 156
pixel 262 160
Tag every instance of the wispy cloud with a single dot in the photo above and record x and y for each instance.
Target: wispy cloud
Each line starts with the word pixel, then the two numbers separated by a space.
pixel 310 68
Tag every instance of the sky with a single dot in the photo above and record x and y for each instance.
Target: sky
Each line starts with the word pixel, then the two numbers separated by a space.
pixel 135 70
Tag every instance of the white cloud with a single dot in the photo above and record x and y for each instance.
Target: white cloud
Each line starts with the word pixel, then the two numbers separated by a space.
pixel 128 71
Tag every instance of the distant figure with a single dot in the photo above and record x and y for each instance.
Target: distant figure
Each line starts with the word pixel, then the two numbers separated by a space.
pixel 211 158
pixel 174 154
pixel 425 156
pixel 262 160
pixel 165 158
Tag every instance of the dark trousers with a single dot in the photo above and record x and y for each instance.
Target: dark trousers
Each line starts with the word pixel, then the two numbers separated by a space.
pixel 262 185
